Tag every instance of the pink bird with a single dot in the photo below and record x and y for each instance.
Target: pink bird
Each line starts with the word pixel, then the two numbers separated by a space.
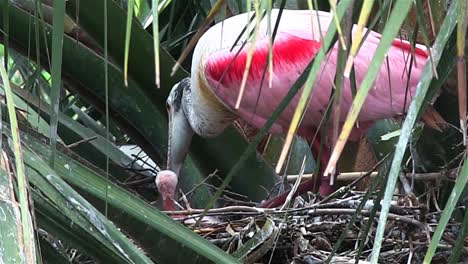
pixel 205 103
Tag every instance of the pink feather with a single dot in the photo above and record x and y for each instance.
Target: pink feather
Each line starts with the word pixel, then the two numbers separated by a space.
pixel 293 48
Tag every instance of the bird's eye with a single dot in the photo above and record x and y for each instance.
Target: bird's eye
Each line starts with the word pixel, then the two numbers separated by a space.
pixel 168 107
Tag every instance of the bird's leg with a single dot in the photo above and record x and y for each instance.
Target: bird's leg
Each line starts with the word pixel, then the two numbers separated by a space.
pixel 308 185
pixel 323 156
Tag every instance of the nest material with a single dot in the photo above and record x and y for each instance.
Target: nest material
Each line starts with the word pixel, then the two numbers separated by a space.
pixel 308 231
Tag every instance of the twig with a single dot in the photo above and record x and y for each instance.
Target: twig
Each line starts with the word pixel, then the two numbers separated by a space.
pixel 320 212
pixel 232 200
pixel 406 185
pixel 202 182
pixel 323 212
pixel 350 176
pixel 252 211
pixel 79 142
pixel 228 209
pixel 296 184
pixel 140 181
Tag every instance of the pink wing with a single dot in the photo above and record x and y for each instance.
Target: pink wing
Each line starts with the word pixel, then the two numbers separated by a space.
pixel 294 47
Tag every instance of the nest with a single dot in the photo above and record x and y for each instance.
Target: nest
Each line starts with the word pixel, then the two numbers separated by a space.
pixel 339 230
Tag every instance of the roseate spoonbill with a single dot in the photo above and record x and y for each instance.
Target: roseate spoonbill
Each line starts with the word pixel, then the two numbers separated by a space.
pixel 205 103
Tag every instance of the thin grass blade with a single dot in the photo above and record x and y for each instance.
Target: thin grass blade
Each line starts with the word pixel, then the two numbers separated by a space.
pixel 156 40
pixel 128 32
pixel 457 190
pixel 128 104
pixel 150 221
pixel 56 72
pixel 34 119
pixel 268 6
pixel 10 233
pixel 106 147
pixel 142 73
pixel 459 243
pixel 400 149
pixel 249 54
pixel 337 24
pixel 211 15
pixel 310 70
pixel 462 8
pixel 26 218
pixel 6 35
pixel 305 95
pixel 339 76
pixel 80 212
pixel 420 19
pixel 357 37
pixel 397 17
pixel 106 95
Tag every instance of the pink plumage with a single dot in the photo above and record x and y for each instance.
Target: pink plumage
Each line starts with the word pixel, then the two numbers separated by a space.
pixel 294 46
pixel 205 104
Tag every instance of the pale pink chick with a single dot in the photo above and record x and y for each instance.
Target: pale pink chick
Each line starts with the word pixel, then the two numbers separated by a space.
pixel 166 182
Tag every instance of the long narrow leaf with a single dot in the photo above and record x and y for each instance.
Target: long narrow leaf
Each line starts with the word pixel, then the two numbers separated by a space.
pixel 357 37
pixel 462 8
pixel 69 226
pixel 10 233
pixel 460 242
pixel 6 34
pixel 56 72
pixel 141 71
pixel 400 10
pixel 68 200
pixel 106 147
pixel 132 109
pixel 128 32
pixel 457 190
pixel 306 77
pixel 26 219
pixel 159 235
pixel 156 41
pixel 418 99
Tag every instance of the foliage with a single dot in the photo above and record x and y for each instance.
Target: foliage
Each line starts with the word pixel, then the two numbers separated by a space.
pixel 88 83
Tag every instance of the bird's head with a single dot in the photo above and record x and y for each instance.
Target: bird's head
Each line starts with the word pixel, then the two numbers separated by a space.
pixel 180 131
pixel 166 181
pixel 188 113
pixel 192 108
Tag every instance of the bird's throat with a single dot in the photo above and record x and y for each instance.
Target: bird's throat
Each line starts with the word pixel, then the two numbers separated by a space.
pixel 168 204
